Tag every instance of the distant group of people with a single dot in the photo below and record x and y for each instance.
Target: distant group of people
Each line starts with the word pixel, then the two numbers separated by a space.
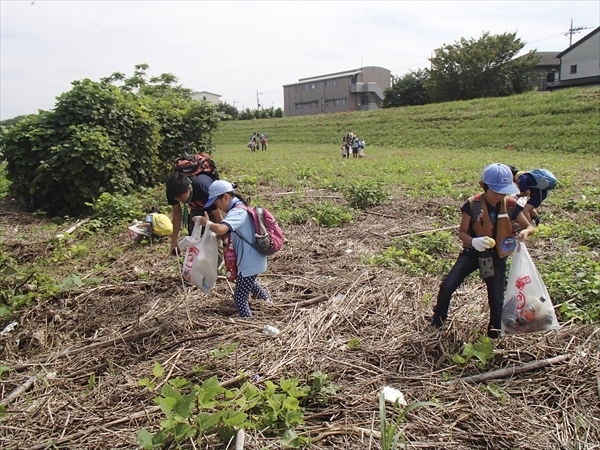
pixel 353 146
pixel 257 139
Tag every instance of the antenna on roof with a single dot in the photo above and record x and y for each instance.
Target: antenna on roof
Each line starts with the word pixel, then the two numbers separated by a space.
pixel 572 31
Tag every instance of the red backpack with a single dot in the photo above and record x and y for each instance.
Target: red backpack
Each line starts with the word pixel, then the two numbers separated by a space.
pixel 196 164
pixel 268 234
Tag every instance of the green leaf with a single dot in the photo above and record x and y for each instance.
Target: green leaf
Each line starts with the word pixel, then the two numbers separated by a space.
pixel 4 369
pixel 289 438
pixel 144 439
pixel 166 405
pixel 158 370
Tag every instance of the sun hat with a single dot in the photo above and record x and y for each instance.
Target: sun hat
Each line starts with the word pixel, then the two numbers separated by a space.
pixel 499 179
pixel 218 187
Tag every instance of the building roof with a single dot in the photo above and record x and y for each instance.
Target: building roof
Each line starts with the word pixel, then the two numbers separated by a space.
pixel 205 92
pixel 333 75
pixel 583 39
pixel 585 81
pixel 548 58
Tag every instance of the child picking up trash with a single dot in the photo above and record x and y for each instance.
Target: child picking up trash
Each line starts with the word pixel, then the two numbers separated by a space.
pixel 238 223
pixel 487 236
pixel 155 226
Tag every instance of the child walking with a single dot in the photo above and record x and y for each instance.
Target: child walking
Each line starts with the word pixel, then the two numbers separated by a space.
pixel 494 212
pixel 238 223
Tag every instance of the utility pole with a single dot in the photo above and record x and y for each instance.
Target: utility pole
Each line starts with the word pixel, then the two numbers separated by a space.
pixel 257 100
pixel 572 31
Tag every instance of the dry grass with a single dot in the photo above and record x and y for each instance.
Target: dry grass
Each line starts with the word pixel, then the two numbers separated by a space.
pixel 117 331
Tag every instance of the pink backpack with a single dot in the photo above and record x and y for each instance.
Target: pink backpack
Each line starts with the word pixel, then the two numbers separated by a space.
pixel 268 234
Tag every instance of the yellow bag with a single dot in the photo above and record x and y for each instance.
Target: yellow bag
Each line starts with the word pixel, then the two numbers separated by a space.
pixel 161 225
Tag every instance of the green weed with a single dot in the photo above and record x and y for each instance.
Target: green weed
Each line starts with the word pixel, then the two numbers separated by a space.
pixel 329 215
pixel 417 255
pixel 482 351
pixel 193 412
pixel 353 343
pixel 364 194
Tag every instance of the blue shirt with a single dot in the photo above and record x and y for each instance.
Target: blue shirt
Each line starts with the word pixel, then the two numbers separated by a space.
pixel 249 261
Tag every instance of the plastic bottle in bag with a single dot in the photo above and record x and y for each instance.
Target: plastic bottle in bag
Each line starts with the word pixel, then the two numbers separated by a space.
pixel 230 258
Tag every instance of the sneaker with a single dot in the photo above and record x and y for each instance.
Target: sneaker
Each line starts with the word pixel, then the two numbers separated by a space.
pixel 436 321
pixel 536 220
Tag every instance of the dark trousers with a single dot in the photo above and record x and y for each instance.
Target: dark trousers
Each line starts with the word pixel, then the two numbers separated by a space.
pixel 467 263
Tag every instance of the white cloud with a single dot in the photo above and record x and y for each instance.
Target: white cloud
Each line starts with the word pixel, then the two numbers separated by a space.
pixel 238 48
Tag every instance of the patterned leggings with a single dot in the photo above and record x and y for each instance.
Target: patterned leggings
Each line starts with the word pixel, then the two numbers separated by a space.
pixel 244 286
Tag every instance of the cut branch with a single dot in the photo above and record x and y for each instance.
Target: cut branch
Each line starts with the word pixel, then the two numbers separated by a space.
pixel 510 371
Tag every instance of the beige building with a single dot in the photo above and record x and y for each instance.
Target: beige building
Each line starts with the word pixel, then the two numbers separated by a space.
pixel 206 96
pixel 354 90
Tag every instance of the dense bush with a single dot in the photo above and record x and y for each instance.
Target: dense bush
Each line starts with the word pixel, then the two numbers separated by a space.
pixel 103 138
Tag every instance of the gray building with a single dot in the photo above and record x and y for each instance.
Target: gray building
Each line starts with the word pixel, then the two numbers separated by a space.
pixel 354 90
pixel 580 63
pixel 547 69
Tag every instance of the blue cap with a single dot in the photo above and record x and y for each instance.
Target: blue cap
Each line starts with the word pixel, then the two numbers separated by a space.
pixel 218 187
pixel 499 179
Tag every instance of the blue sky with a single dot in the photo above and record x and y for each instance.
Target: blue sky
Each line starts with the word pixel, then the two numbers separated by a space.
pixel 236 49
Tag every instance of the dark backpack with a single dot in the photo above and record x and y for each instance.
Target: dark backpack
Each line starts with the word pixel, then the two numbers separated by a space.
pixel 268 234
pixel 196 164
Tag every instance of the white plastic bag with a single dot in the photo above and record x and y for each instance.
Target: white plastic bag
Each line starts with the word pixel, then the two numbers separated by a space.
pixel 201 260
pixel 527 306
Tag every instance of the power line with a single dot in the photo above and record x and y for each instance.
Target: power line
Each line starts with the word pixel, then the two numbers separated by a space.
pixel 573 31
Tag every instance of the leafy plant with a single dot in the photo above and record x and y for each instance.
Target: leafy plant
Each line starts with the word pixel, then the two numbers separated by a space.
pixel 354 343
pixel 194 411
pixel 417 255
pixel 483 351
pixel 574 276
pixel 329 215
pixel 494 390
pixel 115 209
pixel 364 194
pixel 13 293
pixel 223 350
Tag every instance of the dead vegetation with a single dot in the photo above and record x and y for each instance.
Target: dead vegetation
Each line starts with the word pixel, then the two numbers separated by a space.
pixel 323 297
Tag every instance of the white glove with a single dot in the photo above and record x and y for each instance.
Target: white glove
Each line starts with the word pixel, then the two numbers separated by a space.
pixel 481 244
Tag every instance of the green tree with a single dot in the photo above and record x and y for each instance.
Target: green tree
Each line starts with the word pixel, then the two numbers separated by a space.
pixel 486 67
pixel 407 90
pixel 230 112
pixel 103 138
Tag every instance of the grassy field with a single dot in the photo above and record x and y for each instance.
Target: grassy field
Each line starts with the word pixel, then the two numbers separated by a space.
pixel 563 121
pixel 427 151
pixel 103 323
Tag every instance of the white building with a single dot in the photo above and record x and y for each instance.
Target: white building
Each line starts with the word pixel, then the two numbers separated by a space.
pixel 215 99
pixel 580 63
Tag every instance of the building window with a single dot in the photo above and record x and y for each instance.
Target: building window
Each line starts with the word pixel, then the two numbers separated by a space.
pixel 340 102
pixel 573 68
pixel 331 83
pixel 203 98
pixel 296 88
